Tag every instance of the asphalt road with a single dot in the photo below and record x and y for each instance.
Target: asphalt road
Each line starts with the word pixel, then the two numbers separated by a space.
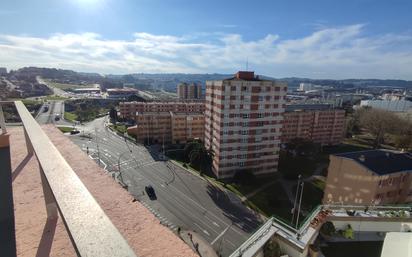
pixel 48 117
pixel 183 200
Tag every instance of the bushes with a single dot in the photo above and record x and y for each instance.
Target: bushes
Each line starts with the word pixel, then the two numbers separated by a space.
pixel 328 229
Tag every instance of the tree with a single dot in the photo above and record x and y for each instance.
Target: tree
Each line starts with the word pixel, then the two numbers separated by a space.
pixel 328 229
pixel 271 249
pixel 379 123
pixel 301 146
pixel 189 147
pixel 201 157
pixel 113 114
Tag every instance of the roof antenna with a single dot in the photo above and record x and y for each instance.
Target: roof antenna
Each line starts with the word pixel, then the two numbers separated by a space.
pixel 247 64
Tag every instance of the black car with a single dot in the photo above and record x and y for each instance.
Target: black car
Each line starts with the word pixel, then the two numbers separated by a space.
pixel 74 132
pixel 150 192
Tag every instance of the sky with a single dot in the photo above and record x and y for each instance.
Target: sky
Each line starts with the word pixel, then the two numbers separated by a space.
pixel 331 39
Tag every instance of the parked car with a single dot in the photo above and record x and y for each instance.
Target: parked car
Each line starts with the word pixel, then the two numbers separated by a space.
pixel 150 192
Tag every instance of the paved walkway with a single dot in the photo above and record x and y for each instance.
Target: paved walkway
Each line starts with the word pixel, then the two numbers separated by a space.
pixel 197 243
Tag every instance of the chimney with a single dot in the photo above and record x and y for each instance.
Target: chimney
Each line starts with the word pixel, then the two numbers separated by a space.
pixel 245 75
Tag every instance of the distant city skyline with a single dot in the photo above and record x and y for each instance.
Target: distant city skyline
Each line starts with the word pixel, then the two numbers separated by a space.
pixel 323 39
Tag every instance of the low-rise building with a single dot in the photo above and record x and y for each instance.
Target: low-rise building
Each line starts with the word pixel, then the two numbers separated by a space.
pixel 121 93
pixel 168 127
pixel 388 105
pixel 129 110
pixel 319 123
pixel 369 178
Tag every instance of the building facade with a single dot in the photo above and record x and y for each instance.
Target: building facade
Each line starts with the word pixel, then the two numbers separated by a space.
pixel 189 91
pixel 121 93
pixel 168 127
pixel 243 119
pixel 129 110
pixel 319 123
pixel 388 105
pixel 369 178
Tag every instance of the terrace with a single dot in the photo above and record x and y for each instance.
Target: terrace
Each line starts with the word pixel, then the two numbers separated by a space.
pixel 58 202
pixel 368 224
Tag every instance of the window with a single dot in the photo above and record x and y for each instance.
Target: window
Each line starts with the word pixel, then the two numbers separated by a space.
pixel 260 98
pixel 241 164
pixel 244 132
pixel 260 115
pixel 245 116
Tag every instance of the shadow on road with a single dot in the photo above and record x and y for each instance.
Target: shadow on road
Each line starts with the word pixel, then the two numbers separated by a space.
pixel 233 209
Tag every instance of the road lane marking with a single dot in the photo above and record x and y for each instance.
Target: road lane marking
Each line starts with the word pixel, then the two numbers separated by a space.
pixel 220 235
pixel 203 230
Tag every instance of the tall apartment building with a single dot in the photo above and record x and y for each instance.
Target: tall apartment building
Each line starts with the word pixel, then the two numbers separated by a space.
pixel 319 123
pixel 189 91
pixel 168 127
pixel 369 178
pixel 243 119
pixel 129 110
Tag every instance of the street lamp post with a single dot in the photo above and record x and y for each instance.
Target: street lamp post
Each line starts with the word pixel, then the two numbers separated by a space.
pixel 296 199
pixel 300 203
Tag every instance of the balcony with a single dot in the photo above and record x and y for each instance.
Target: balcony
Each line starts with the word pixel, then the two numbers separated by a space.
pixel 58 202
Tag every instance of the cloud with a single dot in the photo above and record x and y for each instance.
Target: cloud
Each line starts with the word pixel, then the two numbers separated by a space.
pixel 337 52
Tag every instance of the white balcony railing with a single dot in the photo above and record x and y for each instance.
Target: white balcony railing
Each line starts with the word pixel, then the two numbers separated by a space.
pixel 90 230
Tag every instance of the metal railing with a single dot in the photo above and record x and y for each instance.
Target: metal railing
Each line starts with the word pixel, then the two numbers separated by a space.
pixel 90 230
pixel 263 230
pixel 305 224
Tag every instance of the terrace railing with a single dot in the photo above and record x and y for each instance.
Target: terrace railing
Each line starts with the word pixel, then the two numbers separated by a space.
pixel 90 230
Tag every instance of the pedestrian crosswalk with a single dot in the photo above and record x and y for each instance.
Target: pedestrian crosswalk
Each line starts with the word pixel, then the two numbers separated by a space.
pixel 164 221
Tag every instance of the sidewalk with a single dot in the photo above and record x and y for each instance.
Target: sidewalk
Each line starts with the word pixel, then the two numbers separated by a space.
pixel 194 240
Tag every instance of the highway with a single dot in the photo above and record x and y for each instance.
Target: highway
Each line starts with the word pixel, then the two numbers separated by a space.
pixel 183 200
pixel 48 117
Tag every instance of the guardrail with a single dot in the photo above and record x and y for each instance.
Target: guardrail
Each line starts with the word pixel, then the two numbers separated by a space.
pixel 90 230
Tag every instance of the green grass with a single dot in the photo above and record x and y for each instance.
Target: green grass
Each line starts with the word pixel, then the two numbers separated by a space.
pixel 249 188
pixel 31 102
pixel 54 97
pixel 66 86
pixel 320 184
pixel 65 129
pixel 70 116
pixel 272 201
pixel 119 128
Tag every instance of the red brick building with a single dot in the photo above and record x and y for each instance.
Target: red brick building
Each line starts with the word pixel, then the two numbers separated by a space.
pixel 315 122
pixel 243 120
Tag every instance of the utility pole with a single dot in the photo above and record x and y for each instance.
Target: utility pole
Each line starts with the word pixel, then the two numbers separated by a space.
pixel 300 203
